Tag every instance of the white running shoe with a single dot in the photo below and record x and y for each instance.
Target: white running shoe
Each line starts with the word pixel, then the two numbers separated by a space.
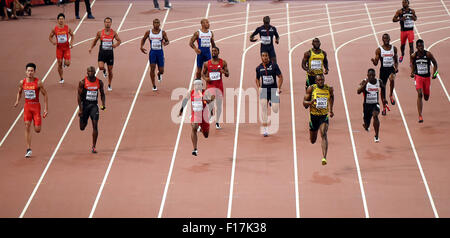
pixel 218 126
pixel 61 81
pixel 109 88
pixel 155 89
pixel 376 139
pixel 28 154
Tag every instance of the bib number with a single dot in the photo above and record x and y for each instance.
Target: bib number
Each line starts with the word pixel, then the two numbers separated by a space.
pixel 321 103
pixel 156 44
pixel 197 106
pixel 214 76
pixel 409 23
pixel 91 95
pixel 316 64
pixel 388 61
pixel 422 69
pixel 205 42
pixel 107 45
pixel 268 79
pixel 30 94
pixel 61 38
pixel 265 40
pixel 372 98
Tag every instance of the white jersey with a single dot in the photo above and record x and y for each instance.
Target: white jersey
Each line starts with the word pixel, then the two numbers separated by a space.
pixel 387 57
pixel 204 39
pixel 371 92
pixel 156 40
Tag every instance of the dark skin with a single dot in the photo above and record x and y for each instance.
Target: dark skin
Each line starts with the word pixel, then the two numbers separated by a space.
pixel 165 42
pixel 420 52
pixel 397 18
pixel 266 23
pixel 307 102
pixel 371 78
pixel 194 38
pixel 91 77
pixel 317 50
pixel 386 46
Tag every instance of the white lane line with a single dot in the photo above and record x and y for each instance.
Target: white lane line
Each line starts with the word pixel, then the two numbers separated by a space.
pixel 172 163
pixel 55 151
pixel 439 76
pixel 294 137
pixel 350 130
pixel 445 6
pixel 233 168
pixel 407 129
pixel 43 79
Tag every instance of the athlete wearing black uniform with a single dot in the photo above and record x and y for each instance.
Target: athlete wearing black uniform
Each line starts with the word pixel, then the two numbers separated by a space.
pixel 406 16
pixel 266 33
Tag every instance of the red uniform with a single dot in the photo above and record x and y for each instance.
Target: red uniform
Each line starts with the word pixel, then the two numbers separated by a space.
pixel 215 77
pixel 198 114
pixel 62 42
pixel 32 107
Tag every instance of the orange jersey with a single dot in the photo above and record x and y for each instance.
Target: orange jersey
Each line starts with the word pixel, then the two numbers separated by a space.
pixel 91 89
pixel 62 36
pixel 106 41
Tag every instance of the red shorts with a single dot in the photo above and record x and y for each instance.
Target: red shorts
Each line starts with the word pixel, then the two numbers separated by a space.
pixel 32 112
pixel 202 118
pixel 423 83
pixel 406 34
pixel 215 88
pixel 63 52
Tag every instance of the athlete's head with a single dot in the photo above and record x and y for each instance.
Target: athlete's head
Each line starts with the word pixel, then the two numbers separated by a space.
pixel 265 57
pixel 320 80
pixel 30 69
pixel 198 84
pixel 91 72
pixel 316 43
pixel 61 18
pixel 371 74
pixel 405 3
pixel 266 20
pixel 215 52
pixel 156 23
pixel 108 22
pixel 420 45
pixel 205 23
pixel 386 39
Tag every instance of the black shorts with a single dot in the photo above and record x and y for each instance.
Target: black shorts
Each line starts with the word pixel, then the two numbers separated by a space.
pixel 269 49
pixel 270 94
pixel 310 80
pixel 316 121
pixel 385 73
pixel 368 110
pixel 89 110
pixel 106 56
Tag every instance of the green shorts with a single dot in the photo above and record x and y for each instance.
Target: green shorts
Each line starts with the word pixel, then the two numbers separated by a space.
pixel 316 121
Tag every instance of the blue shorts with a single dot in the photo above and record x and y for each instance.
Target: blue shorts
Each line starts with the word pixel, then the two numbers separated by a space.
pixel 203 57
pixel 156 57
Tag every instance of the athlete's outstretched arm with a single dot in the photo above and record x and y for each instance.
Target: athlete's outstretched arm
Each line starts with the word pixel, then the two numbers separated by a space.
pixel 396 16
pixel 224 70
pixel 362 85
pixel 205 72
pixel 191 43
pixel 252 36
pixel 44 92
pixel 377 57
pixel 307 99
pixel 19 93
pixel 435 64
pixel 305 61
pixel 325 62
pixel 80 91
pixel 50 37
pixel 72 37
pixel 118 40
pixel 166 39
pixel 97 37
pixel 147 33
pixel 412 65
pixel 331 101
pixel 213 44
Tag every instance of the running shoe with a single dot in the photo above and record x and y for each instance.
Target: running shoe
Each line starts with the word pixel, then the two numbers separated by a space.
pixel 400 59
pixel 367 129
pixel 199 129
pixel 420 119
pixel 384 111
pixel 195 152
pixel 266 134
pixel 61 81
pixel 77 17
pixel 90 16
pixel 154 88
pixel 218 126
pixel 109 88
pixel 376 139
pixel 93 150
pixel 28 154
pixel 324 161
pixel 392 100
pixel 270 103
pixel 168 7
pixel 159 78
pixel 105 74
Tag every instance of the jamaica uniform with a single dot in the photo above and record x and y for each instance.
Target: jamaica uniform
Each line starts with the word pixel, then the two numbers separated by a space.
pixel 315 63
pixel 319 110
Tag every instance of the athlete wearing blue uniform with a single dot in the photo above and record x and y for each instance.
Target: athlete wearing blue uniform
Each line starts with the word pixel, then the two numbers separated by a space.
pixel 205 40
pixel 158 39
pixel 266 33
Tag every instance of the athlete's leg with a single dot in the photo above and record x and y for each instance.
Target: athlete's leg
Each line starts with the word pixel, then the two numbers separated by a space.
pixel 101 65
pixel 83 121
pixel 323 133
pixel 313 136
pixel 160 70
pixel 376 122
pixel 152 74
pixel 198 74
pixel 60 68
pixel 194 135
pixel 28 134
pixel 219 102
pixel 411 48
pixel 264 104
pixel 94 132
pixel 419 101
pixel 402 49
pixel 391 82
pixel 110 74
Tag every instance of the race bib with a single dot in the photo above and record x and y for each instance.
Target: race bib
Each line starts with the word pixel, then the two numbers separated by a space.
pixel 197 106
pixel 372 98
pixel 107 45
pixel 61 38
pixel 409 23
pixel 214 76
pixel 156 44
pixel 388 61
pixel 265 40
pixel 422 69
pixel 321 103
pixel 30 94
pixel 268 79
pixel 91 95
pixel 205 42
pixel 316 64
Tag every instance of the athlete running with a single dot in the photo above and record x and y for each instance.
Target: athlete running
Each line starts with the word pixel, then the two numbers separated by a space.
pixel 370 87
pixel 314 62
pixel 387 55
pixel 199 111
pixel 158 39
pixel 420 70
pixel 320 99
pixel 32 107
pixel 106 49
pixel 205 40
pixel 269 88
pixel 406 16
pixel 63 45
pixel 88 89
pixel 212 74
pixel 266 33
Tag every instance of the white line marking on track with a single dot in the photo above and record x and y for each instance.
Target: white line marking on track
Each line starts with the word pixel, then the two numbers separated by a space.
pixel 363 195
pixel 445 6
pixel 439 76
pixel 407 129
pixel 172 163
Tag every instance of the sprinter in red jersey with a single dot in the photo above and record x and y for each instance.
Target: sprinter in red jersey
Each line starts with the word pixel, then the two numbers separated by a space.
pixel 63 45
pixel 32 108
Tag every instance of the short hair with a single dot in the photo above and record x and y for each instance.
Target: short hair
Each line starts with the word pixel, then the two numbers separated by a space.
pixel 386 34
pixel 215 47
pixel 264 52
pixel 32 65
pixel 419 41
pixel 61 15
pixel 371 70
pixel 107 19
pixel 320 75
pixel 266 18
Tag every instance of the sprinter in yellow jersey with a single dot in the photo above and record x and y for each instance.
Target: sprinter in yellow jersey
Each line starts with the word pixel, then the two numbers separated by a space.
pixel 314 62
pixel 320 99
